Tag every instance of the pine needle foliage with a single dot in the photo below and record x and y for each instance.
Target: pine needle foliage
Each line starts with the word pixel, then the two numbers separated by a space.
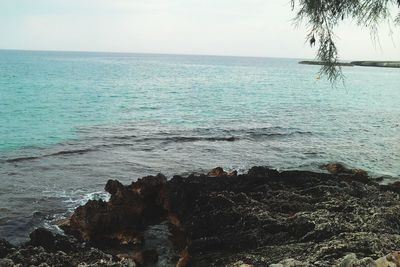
pixel 323 16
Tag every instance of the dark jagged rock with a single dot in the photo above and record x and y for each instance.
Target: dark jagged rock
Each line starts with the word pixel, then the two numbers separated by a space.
pixel 339 168
pixel 44 238
pixel 262 218
pixel 219 172
pixel 47 249
pixel 265 216
pixel 124 216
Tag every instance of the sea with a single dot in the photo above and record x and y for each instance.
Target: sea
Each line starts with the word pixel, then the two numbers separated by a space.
pixel 69 121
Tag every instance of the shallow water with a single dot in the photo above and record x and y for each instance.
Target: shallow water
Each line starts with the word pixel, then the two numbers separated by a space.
pixel 71 121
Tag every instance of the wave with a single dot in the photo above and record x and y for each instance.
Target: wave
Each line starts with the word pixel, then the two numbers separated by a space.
pixel 203 134
pixel 21 159
pixel 165 136
pixel 59 153
pixel 67 152
pixel 259 134
pixel 74 201
pixel 182 139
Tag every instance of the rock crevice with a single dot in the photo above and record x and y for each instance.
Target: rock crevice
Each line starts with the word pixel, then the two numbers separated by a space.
pixel 261 218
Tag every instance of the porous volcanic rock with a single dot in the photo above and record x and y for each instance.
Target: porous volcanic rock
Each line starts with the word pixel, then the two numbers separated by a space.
pixel 261 218
pixel 339 168
pixel 46 249
pixel 264 217
pixel 121 220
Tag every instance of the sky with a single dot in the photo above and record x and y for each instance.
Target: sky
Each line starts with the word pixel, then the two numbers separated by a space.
pixel 211 27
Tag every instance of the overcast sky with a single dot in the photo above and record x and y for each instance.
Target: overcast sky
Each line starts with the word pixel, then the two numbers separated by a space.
pixel 214 27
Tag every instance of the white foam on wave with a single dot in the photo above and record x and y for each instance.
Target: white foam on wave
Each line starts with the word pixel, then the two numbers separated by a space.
pixel 74 202
pixel 70 200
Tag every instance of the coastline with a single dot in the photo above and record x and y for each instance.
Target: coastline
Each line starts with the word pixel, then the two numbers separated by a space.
pixel 320 63
pixel 381 64
pixel 261 218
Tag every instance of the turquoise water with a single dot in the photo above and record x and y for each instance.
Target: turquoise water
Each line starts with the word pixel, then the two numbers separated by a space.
pixel 70 121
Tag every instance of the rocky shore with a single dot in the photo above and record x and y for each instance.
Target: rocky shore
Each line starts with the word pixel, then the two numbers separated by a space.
pixel 261 218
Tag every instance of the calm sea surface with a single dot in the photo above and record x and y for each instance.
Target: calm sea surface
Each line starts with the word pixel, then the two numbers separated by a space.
pixel 71 121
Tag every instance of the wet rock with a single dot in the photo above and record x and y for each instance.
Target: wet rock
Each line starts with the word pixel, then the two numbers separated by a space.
pixel 380 178
pixel 217 172
pixel 395 187
pixel 339 168
pixel 360 173
pixel 42 237
pixel 5 248
pixel 261 171
pixel 336 168
pixel 121 220
pixel 113 186
pixel 233 173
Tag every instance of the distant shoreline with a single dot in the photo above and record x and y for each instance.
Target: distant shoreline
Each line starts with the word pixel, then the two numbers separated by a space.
pixel 381 64
pixel 320 63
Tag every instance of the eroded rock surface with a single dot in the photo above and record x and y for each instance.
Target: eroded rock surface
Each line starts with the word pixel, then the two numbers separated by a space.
pixel 122 219
pixel 265 217
pixel 46 249
pixel 262 218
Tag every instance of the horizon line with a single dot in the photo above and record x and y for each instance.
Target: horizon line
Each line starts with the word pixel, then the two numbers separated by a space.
pixel 148 53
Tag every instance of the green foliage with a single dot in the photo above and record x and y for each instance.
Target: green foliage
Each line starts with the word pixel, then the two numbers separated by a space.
pixel 323 16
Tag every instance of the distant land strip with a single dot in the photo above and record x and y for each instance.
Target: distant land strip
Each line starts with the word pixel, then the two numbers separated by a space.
pixel 383 64
pixel 312 62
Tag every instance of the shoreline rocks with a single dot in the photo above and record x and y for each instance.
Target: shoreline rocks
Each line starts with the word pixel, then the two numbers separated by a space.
pixel 122 219
pixel 261 218
pixel 46 249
